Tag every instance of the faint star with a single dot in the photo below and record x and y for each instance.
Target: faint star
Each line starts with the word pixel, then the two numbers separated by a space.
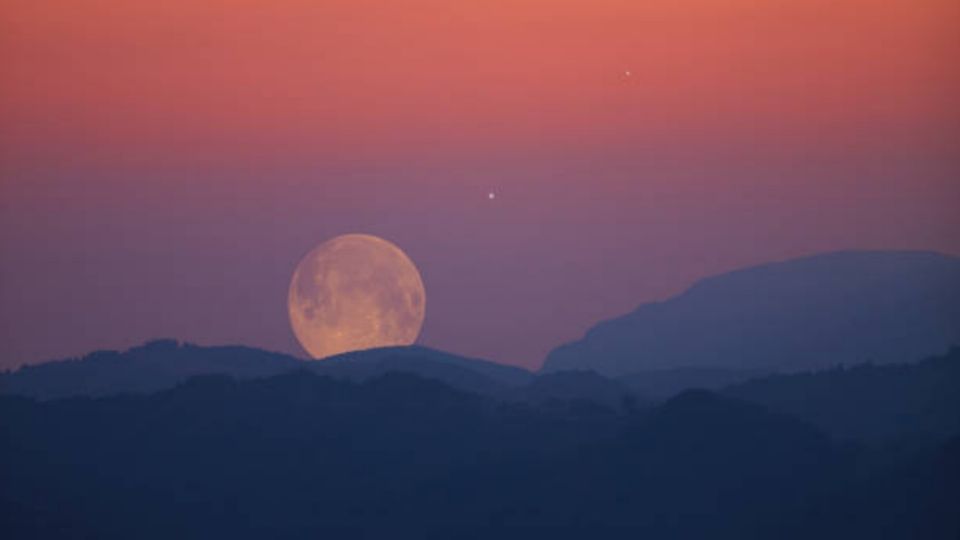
pixel 491 196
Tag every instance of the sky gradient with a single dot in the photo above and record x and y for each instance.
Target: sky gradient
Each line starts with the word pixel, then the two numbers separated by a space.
pixel 164 165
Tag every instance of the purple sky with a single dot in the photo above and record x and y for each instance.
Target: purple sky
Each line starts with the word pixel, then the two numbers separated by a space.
pixel 164 168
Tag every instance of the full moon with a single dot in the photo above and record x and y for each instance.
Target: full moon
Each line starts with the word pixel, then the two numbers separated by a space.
pixel 354 292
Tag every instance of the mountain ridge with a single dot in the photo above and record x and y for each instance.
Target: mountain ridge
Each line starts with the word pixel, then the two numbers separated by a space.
pixel 162 364
pixel 816 311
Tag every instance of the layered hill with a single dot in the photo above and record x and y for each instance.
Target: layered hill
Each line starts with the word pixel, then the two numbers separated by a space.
pixel 299 455
pixel 162 364
pixel 153 366
pixel 870 403
pixel 820 311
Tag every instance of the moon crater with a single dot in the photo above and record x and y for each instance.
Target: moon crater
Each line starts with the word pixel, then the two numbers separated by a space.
pixel 355 292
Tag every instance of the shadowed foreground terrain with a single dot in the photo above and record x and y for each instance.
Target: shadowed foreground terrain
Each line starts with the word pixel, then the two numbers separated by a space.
pixel 301 455
pixel 918 402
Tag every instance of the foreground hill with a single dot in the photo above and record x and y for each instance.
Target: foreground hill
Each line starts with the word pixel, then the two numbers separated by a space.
pixel 868 403
pixel 154 366
pixel 306 456
pixel 837 308
pixel 665 383
pixel 162 364
pixel 470 374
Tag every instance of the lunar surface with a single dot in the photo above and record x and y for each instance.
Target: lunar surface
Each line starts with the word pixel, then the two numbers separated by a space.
pixel 354 292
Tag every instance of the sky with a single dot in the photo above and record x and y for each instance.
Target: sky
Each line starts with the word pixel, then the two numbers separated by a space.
pixel 165 165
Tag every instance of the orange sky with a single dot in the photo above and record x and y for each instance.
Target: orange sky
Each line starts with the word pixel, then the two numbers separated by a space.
pixel 308 76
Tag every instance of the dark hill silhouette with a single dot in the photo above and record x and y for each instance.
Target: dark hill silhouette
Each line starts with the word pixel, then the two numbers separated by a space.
pixel 914 498
pixel 469 374
pixel 300 455
pixel 154 366
pixel 161 364
pixel 666 383
pixel 581 386
pixel 868 402
pixel 820 311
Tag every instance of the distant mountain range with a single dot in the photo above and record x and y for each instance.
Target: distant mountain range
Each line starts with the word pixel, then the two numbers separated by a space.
pixel 807 316
pixel 153 366
pixel 819 312
pixel 870 403
pixel 815 312
pixel 781 438
pixel 162 364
